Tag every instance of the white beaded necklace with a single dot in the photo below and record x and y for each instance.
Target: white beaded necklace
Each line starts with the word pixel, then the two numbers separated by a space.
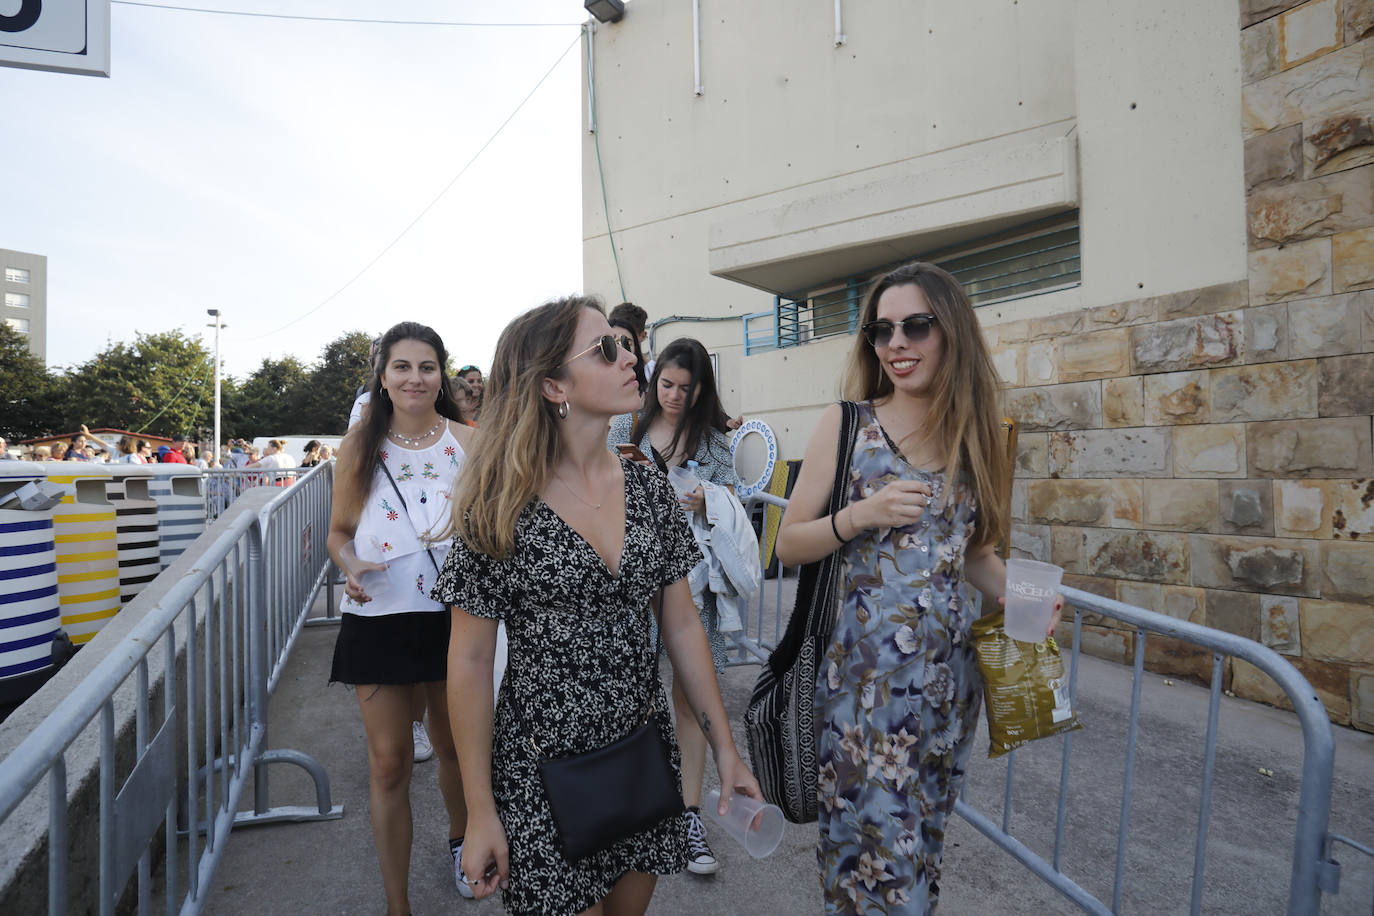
pixel 415 442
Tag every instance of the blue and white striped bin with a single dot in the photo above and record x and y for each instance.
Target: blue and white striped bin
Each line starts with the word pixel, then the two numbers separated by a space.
pixel 179 490
pixel 30 612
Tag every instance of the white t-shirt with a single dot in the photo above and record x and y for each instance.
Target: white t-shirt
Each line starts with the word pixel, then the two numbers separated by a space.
pixel 356 413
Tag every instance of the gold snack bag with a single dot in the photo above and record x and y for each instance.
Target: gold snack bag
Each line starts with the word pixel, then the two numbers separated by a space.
pixel 1024 687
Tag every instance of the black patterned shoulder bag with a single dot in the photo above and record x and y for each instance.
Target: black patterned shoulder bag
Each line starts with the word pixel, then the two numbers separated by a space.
pixel 780 722
pixel 603 796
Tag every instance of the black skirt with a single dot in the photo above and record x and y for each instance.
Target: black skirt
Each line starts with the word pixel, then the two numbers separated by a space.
pixel 391 648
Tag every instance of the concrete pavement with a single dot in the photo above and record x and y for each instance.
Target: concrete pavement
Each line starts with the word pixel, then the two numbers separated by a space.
pixel 330 867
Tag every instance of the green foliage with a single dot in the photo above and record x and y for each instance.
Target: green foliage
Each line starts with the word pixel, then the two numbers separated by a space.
pixel 334 382
pixel 162 384
pixel 267 401
pixel 26 390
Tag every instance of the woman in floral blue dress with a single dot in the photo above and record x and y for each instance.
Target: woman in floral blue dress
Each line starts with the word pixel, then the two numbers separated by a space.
pixel 898 694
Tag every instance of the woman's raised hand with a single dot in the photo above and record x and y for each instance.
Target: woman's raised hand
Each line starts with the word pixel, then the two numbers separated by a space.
pixel 899 503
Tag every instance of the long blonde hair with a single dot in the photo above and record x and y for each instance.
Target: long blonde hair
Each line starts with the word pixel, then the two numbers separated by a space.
pixel 965 393
pixel 513 458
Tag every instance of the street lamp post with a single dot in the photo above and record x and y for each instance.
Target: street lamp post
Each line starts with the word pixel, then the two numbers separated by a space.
pixel 214 313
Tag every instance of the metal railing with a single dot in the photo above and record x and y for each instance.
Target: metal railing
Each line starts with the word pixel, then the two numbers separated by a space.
pixel 1314 870
pixel 213 648
pixel 224 485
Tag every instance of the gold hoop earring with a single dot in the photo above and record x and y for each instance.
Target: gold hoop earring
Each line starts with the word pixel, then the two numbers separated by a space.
pixel 563 410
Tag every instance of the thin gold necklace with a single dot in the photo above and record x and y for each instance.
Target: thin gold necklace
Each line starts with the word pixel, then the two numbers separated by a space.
pixel 569 488
pixel 407 440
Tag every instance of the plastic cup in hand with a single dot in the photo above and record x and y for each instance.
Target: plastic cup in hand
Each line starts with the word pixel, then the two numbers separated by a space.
pixel 1032 589
pixel 373 581
pixel 755 825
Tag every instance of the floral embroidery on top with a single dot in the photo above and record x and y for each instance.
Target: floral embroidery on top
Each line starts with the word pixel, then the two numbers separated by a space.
pixel 448 450
pixel 406 473
pixel 429 472
pixel 386 547
pixel 391 514
pixel 385 455
pixel 420 583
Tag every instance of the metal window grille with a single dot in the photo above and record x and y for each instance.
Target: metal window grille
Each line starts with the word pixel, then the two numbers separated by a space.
pixel 1026 260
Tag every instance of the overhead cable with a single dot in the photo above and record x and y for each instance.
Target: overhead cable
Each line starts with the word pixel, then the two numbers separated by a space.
pixel 434 22
pixel 429 206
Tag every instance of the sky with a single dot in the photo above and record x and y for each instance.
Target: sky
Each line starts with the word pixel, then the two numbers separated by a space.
pixel 257 165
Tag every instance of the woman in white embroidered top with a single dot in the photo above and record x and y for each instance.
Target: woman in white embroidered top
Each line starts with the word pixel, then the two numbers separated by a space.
pixel 395 475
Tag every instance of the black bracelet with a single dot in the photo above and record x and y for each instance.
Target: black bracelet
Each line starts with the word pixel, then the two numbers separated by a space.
pixel 835 529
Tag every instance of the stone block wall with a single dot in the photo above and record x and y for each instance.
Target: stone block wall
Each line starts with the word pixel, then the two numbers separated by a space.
pixel 1208 454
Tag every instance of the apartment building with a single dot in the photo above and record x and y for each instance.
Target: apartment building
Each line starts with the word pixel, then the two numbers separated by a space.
pixel 25 306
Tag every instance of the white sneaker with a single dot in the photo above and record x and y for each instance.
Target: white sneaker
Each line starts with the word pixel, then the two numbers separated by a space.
pixel 700 861
pixel 423 749
pixel 460 879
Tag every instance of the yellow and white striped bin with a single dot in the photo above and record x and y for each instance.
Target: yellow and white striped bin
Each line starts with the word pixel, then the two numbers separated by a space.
pixel 87 549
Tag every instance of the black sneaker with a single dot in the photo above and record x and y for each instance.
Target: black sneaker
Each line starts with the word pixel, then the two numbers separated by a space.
pixel 700 861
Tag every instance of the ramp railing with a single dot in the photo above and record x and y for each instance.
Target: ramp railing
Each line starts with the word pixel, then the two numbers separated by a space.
pixel 1314 870
pixel 209 653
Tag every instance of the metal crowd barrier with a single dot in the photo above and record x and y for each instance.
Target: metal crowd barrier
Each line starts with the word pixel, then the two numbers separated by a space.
pixel 762 629
pixel 1314 870
pixel 224 485
pixel 230 624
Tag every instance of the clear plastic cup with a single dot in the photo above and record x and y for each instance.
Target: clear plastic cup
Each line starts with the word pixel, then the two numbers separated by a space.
pixel 755 825
pixel 1032 588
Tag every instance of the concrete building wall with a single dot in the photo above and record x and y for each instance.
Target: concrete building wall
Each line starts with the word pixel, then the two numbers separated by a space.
pixel 36 289
pixel 932 123
pixel 1195 416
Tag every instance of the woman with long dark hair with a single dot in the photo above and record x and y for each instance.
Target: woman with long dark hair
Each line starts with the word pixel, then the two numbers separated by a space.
pixel 898 691
pixel 392 493
pixel 683 421
pixel 624 324
pixel 569 545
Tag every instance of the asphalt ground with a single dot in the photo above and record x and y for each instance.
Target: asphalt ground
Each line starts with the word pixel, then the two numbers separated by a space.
pixel 330 866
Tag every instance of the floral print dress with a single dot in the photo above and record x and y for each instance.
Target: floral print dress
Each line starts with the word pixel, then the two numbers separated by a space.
pixel 897 696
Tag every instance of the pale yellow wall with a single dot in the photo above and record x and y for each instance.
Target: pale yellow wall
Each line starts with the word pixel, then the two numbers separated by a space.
pixel 785 114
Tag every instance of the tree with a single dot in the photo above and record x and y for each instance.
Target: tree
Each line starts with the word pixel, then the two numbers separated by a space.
pixel 26 389
pixel 267 403
pixel 334 383
pixel 163 384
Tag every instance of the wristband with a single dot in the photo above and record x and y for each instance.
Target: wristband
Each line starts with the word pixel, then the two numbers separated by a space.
pixel 835 529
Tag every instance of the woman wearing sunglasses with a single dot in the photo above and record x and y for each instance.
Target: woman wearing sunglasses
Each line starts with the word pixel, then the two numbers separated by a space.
pixel 567 543
pixel 898 692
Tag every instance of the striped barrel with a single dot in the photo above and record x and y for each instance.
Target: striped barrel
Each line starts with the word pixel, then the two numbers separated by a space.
pixel 180 494
pixel 29 610
pixel 87 551
pixel 136 532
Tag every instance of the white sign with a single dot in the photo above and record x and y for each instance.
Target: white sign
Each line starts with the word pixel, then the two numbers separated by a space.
pixel 65 36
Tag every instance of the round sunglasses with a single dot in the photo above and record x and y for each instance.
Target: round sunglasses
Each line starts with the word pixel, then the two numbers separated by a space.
pixel 607 344
pixel 915 328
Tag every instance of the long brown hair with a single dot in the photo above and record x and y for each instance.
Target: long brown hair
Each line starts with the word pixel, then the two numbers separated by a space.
pixel 965 392
pixel 520 444
pixel 358 453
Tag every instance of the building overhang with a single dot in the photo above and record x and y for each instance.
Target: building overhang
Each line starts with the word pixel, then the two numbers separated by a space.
pixel 854 223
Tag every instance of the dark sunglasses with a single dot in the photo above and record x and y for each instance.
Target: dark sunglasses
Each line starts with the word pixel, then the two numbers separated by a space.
pixel 607 343
pixel 915 328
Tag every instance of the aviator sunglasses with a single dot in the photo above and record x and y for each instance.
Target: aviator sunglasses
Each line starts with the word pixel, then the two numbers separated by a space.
pixel 607 344
pixel 915 328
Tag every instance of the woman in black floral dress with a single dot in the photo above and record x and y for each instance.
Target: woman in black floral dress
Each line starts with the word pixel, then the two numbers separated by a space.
pixel 557 537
